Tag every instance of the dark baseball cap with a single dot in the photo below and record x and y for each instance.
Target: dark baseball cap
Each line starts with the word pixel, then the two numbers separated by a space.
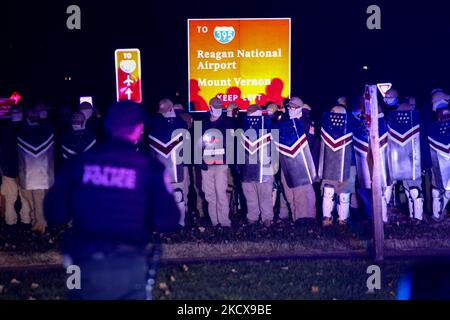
pixel 124 114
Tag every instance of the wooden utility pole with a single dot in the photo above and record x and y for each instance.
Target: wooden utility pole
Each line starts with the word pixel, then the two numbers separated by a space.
pixel 377 194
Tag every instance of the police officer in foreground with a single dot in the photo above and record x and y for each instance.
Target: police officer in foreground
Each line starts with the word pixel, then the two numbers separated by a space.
pixel 115 197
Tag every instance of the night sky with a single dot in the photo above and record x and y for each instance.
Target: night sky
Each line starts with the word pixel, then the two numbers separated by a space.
pixel 330 45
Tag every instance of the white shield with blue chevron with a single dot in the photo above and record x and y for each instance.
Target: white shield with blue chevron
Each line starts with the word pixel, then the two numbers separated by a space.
pixel 224 35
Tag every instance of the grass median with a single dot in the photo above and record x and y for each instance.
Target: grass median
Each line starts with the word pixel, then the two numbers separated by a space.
pixel 340 279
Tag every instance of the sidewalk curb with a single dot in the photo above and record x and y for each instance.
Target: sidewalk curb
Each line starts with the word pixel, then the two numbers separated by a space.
pixel 227 252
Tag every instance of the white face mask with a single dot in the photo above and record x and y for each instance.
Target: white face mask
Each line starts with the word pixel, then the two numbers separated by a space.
pixel 77 127
pixel 356 114
pixel 295 113
pixel 169 114
pixel 87 113
pixel 43 114
pixel 230 113
pixel 16 116
pixel 440 104
pixel 32 122
pixel 391 101
pixel 215 112
pixel 257 113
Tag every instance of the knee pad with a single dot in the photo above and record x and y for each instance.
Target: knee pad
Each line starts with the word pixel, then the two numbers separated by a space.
pixel 328 191
pixel 344 197
pixel 328 201
pixel 447 194
pixel 436 193
pixel 178 195
pixel 414 193
pixel 387 195
pixel 344 207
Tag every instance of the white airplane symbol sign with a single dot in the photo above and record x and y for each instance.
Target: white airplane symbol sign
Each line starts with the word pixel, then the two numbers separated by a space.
pixel 128 82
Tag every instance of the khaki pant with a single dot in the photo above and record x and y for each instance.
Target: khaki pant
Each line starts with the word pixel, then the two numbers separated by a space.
pixel 200 196
pixel 230 187
pixel 9 191
pixel 186 184
pixel 259 200
pixel 214 185
pixel 180 199
pixel 302 200
pixel 284 210
pixel 35 200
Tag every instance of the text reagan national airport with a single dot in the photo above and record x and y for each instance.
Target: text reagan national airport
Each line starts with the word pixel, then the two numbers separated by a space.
pixel 240 53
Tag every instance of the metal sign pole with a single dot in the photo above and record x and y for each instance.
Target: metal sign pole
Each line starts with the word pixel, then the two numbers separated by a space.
pixel 378 225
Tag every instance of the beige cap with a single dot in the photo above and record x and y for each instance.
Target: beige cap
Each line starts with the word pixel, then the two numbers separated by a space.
pixel 216 103
pixel 296 102
pixel 391 93
pixel 252 108
pixel 272 108
pixel 342 100
pixel 165 105
pixel 338 109
pixel 439 96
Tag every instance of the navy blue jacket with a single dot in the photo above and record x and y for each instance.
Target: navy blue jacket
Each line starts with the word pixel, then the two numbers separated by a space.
pixel 426 120
pixel 75 142
pixel 113 194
